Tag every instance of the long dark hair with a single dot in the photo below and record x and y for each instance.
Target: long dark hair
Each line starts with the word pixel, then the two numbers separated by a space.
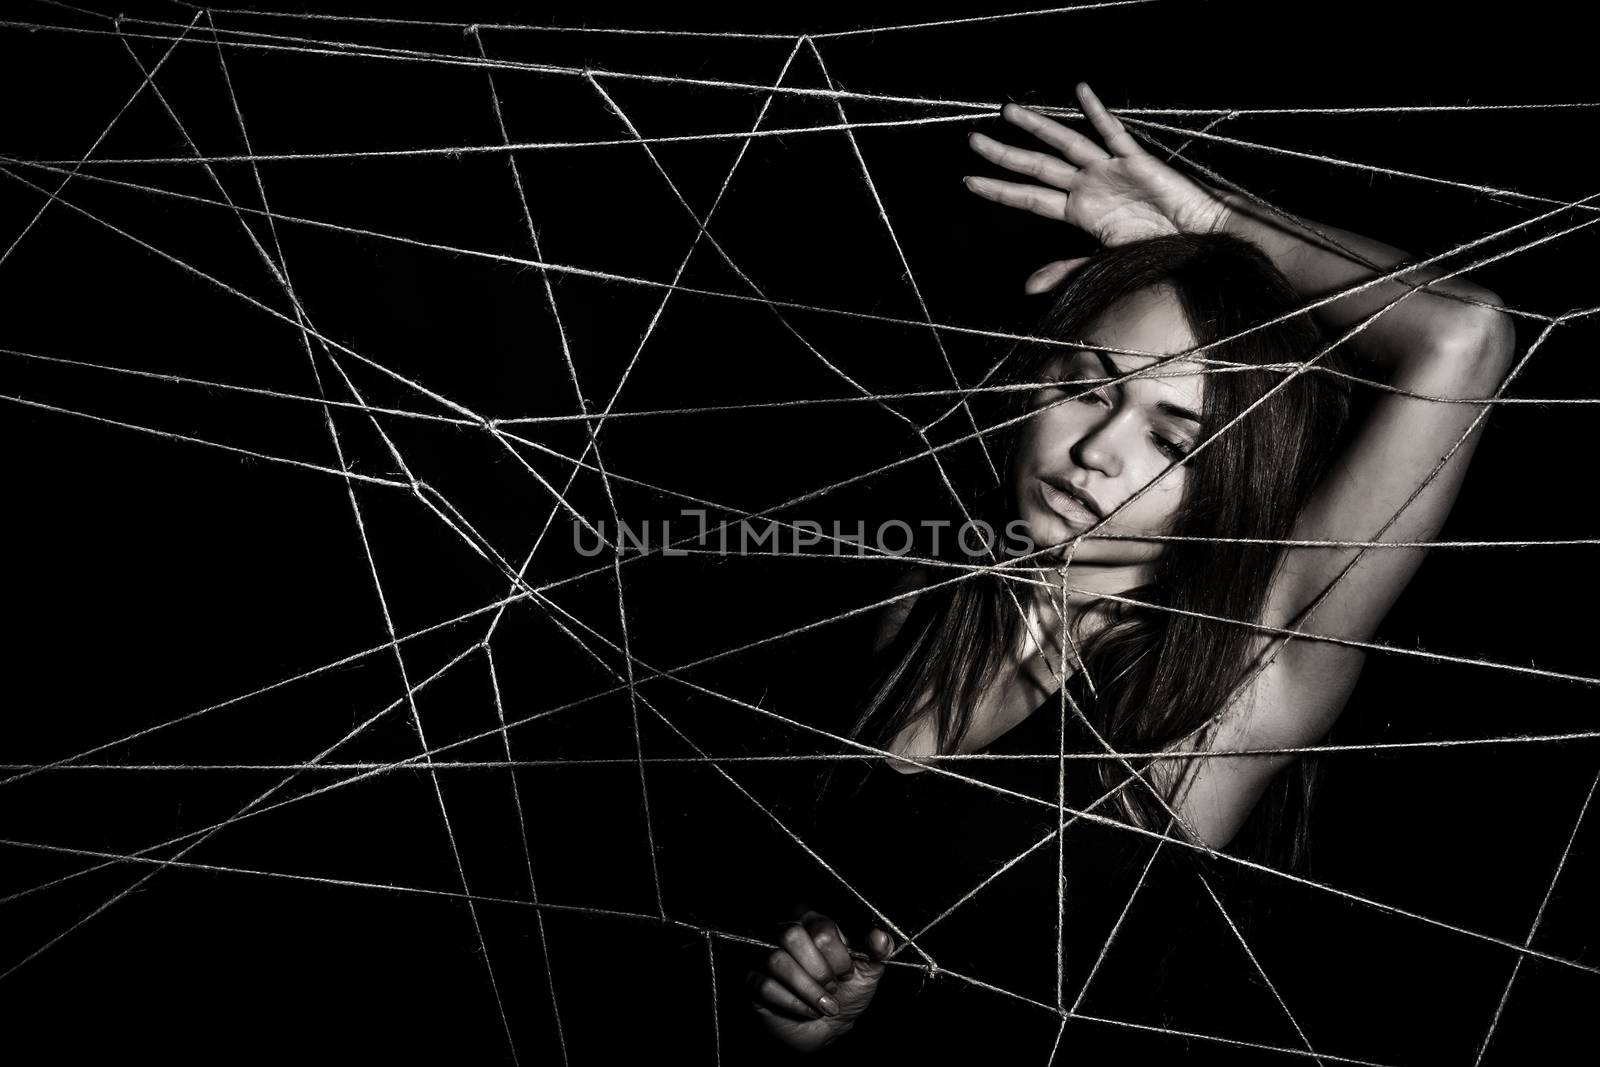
pixel 1160 675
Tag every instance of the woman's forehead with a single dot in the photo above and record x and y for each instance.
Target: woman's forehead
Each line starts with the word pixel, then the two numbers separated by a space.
pixel 1147 320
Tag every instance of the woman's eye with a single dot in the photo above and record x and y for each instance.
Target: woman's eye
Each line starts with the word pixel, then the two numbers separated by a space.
pixel 1083 392
pixel 1171 448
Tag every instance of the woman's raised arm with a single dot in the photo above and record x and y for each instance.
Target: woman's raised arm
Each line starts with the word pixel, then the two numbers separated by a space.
pixel 1427 344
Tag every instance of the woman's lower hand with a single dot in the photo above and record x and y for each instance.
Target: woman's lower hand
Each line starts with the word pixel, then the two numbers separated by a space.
pixel 1114 191
pixel 810 990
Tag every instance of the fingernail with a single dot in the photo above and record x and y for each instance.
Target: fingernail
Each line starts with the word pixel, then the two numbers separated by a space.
pixel 828 1005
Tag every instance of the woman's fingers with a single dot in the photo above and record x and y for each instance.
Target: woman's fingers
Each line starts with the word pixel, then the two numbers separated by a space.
pixel 772 994
pixel 1040 165
pixel 1107 125
pixel 1069 142
pixel 1051 275
pixel 787 970
pixel 1051 203
pixel 812 955
pixel 830 943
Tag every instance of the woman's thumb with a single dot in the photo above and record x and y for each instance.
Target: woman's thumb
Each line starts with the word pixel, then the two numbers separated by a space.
pixel 879 945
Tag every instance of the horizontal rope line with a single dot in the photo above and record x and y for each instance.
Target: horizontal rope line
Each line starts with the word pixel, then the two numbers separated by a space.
pixel 762 405
pixel 630 31
pixel 460 151
pixel 828 757
pixel 347 474
pixel 1368 168
pixel 346 50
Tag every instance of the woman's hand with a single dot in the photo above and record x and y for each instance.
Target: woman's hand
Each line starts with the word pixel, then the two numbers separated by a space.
pixel 1116 193
pixel 810 990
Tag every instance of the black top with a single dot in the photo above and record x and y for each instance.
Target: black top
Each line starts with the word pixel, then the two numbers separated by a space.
pixel 913 845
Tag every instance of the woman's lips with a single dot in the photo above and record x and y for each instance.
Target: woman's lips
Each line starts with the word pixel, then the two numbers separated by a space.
pixel 1066 505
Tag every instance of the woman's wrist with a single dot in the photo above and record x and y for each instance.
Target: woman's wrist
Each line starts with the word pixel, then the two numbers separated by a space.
pixel 1225 219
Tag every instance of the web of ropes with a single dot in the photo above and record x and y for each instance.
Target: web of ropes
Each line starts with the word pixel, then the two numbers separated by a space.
pixel 261 228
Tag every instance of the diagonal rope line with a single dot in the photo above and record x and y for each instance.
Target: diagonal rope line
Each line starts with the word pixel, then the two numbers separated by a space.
pixel 716 1020
pixel 1116 927
pixel 1061 806
pixel 1256 963
pixel 525 837
pixel 123 110
pixel 1538 918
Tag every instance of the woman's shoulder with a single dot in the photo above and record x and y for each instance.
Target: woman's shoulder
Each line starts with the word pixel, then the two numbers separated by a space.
pixel 894 613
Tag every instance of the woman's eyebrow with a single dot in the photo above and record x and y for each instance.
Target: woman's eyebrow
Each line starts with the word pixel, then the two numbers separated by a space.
pixel 1175 410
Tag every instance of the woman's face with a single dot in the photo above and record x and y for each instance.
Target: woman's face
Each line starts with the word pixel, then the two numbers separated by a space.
pixel 1111 442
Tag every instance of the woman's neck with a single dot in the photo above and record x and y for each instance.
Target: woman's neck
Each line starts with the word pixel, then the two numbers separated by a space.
pixel 1041 631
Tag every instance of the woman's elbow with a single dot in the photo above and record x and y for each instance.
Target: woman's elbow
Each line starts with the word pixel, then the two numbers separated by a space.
pixel 1483 331
pixel 1473 350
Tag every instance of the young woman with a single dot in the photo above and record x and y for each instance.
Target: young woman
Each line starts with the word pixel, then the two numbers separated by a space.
pixel 1199 410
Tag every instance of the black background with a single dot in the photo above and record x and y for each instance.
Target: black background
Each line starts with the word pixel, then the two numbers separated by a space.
pixel 150 578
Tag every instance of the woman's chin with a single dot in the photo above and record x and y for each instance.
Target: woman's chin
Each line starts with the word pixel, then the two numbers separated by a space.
pixel 1051 536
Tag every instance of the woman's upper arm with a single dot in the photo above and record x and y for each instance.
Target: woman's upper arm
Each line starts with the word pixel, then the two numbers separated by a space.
pixel 1294 700
pixel 1387 458
pixel 1288 705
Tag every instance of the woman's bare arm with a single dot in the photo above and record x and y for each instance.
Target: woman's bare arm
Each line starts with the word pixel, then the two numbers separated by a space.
pixel 1395 480
pixel 1426 343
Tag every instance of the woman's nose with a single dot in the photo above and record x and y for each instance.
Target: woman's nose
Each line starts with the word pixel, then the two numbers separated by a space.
pixel 1099 448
